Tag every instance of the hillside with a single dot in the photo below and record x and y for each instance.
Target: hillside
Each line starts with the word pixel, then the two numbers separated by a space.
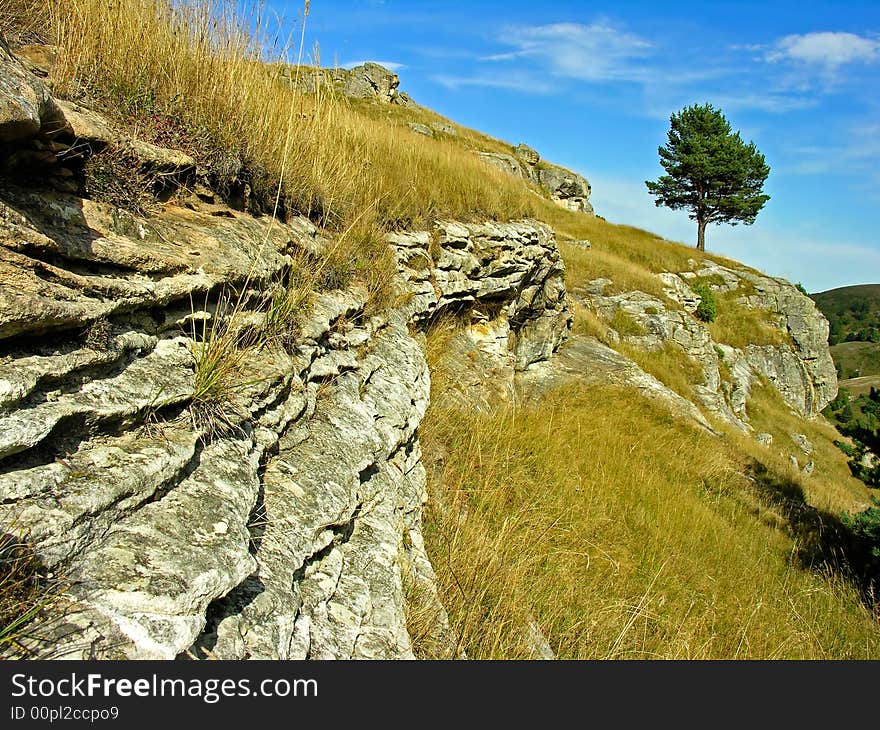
pixel 292 367
pixel 853 313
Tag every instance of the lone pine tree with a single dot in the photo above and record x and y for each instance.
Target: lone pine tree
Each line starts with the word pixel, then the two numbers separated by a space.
pixel 711 171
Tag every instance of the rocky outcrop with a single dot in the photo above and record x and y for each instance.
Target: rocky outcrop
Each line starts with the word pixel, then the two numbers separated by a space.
pixel 587 361
pixel 372 81
pixel 279 517
pixel 799 367
pixel 565 188
pixel 369 81
pixel 510 273
pixel 26 106
pixel 802 371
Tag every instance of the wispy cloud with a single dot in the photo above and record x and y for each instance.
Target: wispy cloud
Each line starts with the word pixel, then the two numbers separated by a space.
pixel 829 50
pixel 595 52
pixel 557 57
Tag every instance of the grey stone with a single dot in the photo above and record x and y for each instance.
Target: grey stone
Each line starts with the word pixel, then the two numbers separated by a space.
pixel 765 439
pixel 526 154
pixel 372 81
pixel 802 442
pixel 421 129
pixel 26 106
pixel 444 128
pixel 567 188
pixel 510 165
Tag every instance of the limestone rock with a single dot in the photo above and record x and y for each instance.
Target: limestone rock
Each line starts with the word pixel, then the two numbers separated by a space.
pixel 282 520
pixel 567 188
pixel 85 126
pixel 765 439
pixel 26 106
pixel 527 154
pixel 372 81
pixel 802 442
pixel 421 129
pixel 585 360
pixel 160 160
pixel 516 267
pixel 510 165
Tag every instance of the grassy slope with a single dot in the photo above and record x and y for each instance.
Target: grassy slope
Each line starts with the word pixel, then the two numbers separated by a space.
pixel 857 359
pixel 621 531
pixel 624 534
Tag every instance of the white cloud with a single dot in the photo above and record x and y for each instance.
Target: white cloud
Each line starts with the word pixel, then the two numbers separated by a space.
pixel 390 65
pixel 827 49
pixel 595 52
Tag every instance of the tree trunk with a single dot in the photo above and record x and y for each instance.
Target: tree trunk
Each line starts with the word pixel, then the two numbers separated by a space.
pixel 701 235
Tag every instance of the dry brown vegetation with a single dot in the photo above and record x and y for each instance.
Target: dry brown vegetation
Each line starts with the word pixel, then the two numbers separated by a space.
pixel 622 532
pixel 625 534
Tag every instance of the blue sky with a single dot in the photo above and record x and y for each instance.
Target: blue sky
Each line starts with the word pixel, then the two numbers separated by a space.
pixel 591 86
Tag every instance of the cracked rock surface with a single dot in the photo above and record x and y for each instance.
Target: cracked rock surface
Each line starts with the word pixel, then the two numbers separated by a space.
pixel 283 522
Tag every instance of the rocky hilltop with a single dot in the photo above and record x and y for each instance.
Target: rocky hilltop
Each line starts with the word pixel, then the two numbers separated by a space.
pixel 282 517
pixel 375 83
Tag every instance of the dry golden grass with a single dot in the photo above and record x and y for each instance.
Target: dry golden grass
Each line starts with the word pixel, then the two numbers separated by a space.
pixel 831 487
pixel 587 322
pixel 670 365
pixel 625 534
pixel 22 21
pixel 195 65
pixel 741 326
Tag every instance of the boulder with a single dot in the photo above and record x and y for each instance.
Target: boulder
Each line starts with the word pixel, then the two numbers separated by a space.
pixel 510 165
pixel 26 106
pixel 421 129
pixel 372 81
pixel 83 126
pixel 526 154
pixel 567 188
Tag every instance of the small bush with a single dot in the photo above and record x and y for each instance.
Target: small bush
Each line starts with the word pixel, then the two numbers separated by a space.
pixel 706 310
pixel 864 528
pixel 115 178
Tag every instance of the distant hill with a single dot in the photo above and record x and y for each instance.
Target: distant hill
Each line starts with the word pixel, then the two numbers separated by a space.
pixel 852 311
pixel 854 315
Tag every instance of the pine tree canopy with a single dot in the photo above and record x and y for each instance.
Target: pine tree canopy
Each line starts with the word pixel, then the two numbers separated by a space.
pixel 711 172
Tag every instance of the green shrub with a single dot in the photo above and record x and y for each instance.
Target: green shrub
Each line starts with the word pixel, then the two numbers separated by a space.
pixel 708 303
pixel 864 529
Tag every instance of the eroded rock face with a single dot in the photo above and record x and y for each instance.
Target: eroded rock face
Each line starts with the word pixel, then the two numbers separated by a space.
pixel 372 81
pixel 802 371
pixel 280 518
pixel 510 165
pixel 368 81
pixel 566 188
pixel 509 272
pixel 26 106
